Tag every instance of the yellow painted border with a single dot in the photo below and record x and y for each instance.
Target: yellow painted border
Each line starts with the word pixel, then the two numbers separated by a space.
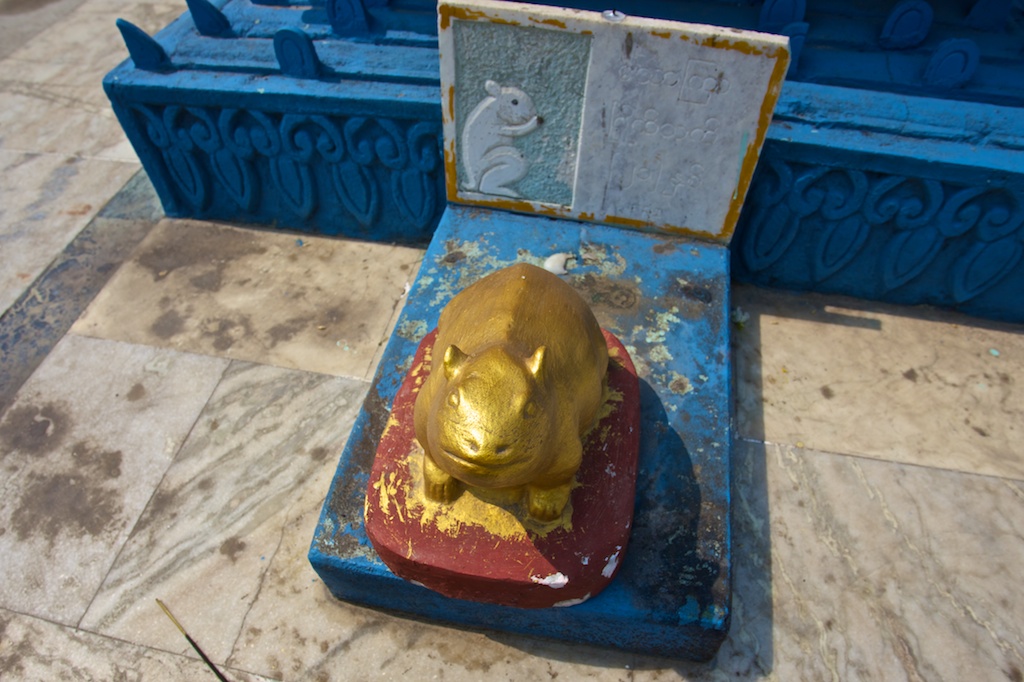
pixel 753 153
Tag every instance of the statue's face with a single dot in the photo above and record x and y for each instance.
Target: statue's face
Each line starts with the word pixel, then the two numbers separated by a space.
pixel 490 430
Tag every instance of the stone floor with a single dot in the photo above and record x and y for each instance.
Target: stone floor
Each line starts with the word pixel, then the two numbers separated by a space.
pixel 174 396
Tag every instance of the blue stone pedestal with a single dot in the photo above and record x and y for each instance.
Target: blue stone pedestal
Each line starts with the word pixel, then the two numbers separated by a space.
pixel 667 300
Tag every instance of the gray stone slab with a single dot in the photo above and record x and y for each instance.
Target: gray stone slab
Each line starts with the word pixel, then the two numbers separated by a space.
pixel 604 117
pixel 33 325
pixel 85 443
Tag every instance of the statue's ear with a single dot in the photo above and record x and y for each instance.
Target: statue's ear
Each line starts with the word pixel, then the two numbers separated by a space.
pixel 453 360
pixel 535 363
pixel 492 88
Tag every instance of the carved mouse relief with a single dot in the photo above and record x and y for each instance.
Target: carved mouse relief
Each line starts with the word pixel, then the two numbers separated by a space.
pixel 517 379
pixel 490 158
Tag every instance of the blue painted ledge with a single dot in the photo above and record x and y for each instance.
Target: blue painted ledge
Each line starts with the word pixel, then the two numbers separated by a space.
pixel 667 300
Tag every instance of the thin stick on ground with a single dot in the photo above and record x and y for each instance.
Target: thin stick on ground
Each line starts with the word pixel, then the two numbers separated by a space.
pixel 191 641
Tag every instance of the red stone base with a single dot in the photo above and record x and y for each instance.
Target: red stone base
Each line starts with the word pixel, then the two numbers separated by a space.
pixel 483 547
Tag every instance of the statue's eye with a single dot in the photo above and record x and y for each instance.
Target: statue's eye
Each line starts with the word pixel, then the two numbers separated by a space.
pixel 515 103
pixel 453 398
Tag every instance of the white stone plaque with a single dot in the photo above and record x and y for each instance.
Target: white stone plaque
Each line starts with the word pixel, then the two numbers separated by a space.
pixel 600 116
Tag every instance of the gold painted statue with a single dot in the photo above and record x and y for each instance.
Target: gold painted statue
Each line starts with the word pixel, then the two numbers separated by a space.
pixel 517 378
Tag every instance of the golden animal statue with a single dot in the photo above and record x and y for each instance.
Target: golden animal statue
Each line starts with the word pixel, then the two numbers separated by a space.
pixel 517 378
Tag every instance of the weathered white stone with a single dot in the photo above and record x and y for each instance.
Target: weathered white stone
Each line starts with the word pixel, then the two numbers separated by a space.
pixel 605 117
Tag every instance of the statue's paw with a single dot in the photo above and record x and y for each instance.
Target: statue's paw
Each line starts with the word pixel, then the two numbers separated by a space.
pixel 547 504
pixel 446 491
pixel 440 487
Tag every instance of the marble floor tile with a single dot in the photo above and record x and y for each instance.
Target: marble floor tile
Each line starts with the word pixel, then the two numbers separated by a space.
pixel 34 323
pixel 137 200
pixel 34 650
pixel 263 449
pixel 68 120
pixel 912 385
pixel 873 570
pixel 45 200
pixel 391 325
pixel 51 95
pixel 23 20
pixel 149 15
pixel 309 303
pixel 83 446
pixel 82 46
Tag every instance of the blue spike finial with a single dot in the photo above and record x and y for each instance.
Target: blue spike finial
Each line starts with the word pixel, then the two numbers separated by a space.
pixel 144 50
pixel 209 20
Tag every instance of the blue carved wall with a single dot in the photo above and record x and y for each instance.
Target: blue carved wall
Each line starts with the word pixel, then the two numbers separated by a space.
pixel 931 235
pixel 893 170
pixel 373 177
pixel 260 114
